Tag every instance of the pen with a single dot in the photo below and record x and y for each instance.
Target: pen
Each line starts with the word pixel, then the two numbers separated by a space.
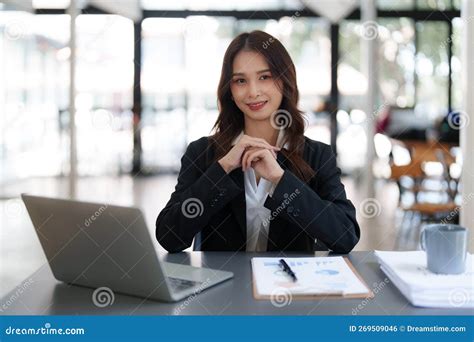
pixel 287 269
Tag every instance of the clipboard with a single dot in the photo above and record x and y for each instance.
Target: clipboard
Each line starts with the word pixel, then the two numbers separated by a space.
pixel 336 295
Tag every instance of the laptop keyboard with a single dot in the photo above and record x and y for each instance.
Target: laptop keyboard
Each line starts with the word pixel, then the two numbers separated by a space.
pixel 178 284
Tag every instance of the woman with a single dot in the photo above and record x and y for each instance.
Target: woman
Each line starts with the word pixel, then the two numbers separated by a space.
pixel 258 184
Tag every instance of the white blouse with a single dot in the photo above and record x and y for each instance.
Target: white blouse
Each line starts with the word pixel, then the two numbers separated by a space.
pixel 258 217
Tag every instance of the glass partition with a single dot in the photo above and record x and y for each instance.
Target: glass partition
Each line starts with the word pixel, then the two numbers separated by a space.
pixel 34 95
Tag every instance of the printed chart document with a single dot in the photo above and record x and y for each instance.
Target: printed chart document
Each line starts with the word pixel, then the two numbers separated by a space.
pixel 316 276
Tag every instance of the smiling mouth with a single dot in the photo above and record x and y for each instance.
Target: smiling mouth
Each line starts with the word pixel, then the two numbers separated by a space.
pixel 257 105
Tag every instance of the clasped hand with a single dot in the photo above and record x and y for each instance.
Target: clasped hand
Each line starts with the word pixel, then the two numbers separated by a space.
pixel 256 153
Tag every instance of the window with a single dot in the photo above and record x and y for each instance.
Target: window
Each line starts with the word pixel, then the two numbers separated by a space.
pixel 432 69
pixel 31 73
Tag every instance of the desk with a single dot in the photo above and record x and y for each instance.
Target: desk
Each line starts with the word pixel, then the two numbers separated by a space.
pixel 46 296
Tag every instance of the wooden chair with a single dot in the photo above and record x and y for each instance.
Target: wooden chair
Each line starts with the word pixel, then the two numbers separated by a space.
pixel 427 210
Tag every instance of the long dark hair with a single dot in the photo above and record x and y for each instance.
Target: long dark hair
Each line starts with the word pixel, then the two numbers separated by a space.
pixel 230 121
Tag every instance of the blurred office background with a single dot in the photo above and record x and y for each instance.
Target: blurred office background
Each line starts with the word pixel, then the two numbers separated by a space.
pixel 146 78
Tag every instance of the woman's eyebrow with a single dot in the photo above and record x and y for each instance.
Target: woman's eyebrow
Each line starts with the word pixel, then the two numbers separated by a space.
pixel 243 74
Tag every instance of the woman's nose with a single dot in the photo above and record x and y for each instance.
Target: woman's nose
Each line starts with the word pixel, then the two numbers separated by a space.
pixel 253 90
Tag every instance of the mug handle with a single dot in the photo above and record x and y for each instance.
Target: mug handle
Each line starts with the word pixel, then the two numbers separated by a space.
pixel 423 240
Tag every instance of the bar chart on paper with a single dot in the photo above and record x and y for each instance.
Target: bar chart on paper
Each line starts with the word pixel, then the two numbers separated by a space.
pixel 319 276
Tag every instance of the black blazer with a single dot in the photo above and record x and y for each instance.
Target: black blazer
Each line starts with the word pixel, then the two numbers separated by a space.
pixel 304 216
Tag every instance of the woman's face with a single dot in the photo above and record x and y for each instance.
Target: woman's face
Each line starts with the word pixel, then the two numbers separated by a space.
pixel 253 88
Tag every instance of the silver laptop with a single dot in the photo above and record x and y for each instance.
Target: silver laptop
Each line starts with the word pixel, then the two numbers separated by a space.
pixel 99 245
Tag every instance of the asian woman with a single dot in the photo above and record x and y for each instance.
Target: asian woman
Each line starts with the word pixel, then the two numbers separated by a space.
pixel 257 183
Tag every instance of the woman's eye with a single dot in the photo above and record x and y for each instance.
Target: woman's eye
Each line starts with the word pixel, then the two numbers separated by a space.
pixel 239 81
pixel 265 77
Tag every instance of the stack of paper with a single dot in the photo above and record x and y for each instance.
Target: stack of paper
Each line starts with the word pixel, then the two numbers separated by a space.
pixel 407 271
pixel 316 276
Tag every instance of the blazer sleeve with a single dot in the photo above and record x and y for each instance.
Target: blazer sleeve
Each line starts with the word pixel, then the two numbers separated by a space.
pixel 198 195
pixel 320 210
